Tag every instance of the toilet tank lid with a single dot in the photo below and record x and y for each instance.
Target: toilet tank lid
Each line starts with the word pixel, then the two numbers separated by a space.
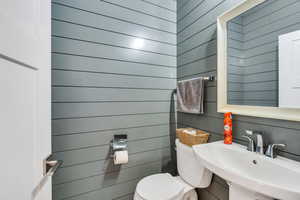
pixel 159 187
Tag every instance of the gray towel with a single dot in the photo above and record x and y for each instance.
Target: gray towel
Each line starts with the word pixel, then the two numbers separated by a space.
pixel 190 96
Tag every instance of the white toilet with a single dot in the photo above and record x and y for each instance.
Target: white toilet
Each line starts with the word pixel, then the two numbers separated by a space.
pixel 166 187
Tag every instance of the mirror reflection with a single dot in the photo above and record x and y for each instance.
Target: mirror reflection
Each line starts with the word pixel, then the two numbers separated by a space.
pixel 263 49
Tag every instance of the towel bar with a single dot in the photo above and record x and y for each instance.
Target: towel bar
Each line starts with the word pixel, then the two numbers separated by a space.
pixel 206 78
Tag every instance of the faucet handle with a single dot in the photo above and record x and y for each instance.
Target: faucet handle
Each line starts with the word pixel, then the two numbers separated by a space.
pixel 249 132
pixel 279 145
pixel 271 147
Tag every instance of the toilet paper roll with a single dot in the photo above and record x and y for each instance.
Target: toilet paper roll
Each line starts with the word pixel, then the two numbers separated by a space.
pixel 120 157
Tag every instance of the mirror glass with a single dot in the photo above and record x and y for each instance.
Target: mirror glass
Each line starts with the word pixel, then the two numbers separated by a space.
pixel 263 50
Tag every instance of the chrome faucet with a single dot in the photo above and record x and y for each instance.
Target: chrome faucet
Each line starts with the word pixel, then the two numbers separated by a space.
pixel 271 150
pixel 251 144
pixel 259 147
pixel 259 144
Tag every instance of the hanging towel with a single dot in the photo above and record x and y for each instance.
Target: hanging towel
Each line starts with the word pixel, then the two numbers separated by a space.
pixel 190 96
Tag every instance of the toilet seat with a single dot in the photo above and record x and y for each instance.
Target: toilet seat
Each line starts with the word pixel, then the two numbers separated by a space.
pixel 192 174
pixel 159 187
pixel 162 187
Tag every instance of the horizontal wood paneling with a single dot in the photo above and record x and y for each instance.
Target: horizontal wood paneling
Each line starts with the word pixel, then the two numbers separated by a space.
pixel 206 35
pixel 94 50
pixel 87 64
pixel 200 26
pixel 96 153
pixel 97 138
pixel 85 18
pixel 87 79
pixel 258 56
pixel 146 8
pixel 78 110
pixel 85 170
pixel 197 53
pixel 77 125
pixel 166 4
pixel 112 192
pixel 75 31
pixel 181 4
pixel 270 7
pixel 84 94
pixel 103 181
pixel 107 9
pixel 193 17
pixel 204 18
pixel 236 68
pixel 104 83
pixel 200 66
pixel 187 8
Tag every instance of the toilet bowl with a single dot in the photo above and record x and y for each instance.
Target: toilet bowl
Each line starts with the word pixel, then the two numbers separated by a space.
pixel 166 187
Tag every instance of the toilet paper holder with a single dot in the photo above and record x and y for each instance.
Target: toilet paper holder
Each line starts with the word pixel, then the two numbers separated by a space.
pixel 118 143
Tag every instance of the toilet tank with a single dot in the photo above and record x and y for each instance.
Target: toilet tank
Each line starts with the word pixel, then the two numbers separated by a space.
pixel 190 169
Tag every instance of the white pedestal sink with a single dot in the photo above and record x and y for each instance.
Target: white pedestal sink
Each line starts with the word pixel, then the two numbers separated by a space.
pixel 251 176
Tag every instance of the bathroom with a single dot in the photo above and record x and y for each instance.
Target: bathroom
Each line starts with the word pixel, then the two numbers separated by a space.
pixel 98 112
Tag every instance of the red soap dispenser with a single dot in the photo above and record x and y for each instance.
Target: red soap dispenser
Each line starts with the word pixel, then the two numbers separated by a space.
pixel 228 128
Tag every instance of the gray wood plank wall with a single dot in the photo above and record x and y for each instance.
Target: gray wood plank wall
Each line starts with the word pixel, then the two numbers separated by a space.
pixel 236 69
pixel 258 81
pixel 196 37
pixel 103 85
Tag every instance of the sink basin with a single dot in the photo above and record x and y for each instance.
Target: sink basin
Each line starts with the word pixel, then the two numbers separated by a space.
pixel 251 176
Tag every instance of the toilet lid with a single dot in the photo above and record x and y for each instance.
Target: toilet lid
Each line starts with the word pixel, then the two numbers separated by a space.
pixel 159 187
